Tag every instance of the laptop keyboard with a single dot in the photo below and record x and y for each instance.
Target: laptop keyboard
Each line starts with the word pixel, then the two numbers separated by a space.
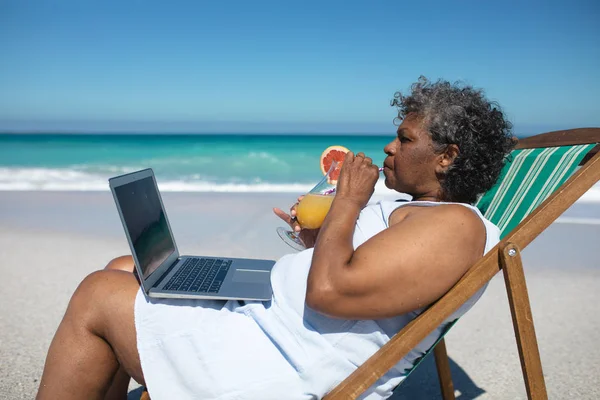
pixel 199 275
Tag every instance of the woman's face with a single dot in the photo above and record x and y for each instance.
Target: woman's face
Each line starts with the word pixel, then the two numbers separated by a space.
pixel 411 164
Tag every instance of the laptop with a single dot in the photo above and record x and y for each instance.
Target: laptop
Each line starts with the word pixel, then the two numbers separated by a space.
pixel 161 270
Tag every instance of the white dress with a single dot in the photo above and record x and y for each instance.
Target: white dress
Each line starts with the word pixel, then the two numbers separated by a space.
pixel 280 349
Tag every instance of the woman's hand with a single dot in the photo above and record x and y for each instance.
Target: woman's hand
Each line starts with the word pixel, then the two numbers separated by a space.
pixel 308 236
pixel 357 179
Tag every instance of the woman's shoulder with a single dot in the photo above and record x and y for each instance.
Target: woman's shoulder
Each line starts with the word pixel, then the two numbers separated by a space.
pixel 435 213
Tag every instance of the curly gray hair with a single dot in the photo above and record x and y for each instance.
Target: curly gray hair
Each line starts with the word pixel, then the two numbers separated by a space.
pixel 460 114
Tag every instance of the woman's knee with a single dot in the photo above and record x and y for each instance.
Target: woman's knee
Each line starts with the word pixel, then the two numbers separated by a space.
pixel 123 263
pixel 97 291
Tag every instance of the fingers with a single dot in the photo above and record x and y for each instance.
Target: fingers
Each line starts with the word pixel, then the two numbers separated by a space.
pixel 288 219
pixel 348 158
pixel 293 213
pixel 283 215
pixel 293 208
pixel 358 157
pixel 353 161
pixel 362 158
pixel 366 159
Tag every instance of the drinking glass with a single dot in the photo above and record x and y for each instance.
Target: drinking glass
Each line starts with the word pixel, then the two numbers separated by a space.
pixel 311 210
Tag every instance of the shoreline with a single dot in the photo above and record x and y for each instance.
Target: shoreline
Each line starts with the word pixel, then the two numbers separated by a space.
pixel 592 196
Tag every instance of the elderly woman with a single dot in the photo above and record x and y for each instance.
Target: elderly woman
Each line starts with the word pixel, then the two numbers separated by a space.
pixel 368 271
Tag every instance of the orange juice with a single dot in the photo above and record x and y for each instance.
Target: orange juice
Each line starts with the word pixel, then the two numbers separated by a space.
pixel 312 210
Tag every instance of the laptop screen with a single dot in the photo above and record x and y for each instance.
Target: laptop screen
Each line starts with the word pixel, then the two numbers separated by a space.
pixel 146 223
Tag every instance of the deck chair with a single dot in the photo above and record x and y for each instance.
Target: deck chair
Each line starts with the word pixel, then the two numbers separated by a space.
pixel 533 190
pixel 535 187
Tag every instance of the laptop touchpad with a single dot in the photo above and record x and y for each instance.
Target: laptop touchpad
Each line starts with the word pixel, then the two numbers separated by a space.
pixel 250 276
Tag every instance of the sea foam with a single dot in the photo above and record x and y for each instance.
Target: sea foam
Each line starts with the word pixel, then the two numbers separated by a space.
pixel 63 179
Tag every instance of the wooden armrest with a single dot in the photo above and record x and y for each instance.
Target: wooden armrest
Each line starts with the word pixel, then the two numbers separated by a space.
pixel 569 137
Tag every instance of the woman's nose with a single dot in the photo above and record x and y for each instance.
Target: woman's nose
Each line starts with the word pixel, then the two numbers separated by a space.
pixel 389 148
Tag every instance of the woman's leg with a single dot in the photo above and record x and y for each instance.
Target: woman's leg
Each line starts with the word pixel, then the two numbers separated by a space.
pixel 95 338
pixel 120 383
pixel 119 387
pixel 123 263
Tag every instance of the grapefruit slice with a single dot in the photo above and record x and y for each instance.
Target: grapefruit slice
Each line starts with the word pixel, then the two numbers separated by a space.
pixel 333 153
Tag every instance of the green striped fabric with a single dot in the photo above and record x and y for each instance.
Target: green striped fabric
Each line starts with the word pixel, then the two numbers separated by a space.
pixel 530 176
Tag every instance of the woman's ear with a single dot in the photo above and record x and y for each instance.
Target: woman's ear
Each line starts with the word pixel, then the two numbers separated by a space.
pixel 447 158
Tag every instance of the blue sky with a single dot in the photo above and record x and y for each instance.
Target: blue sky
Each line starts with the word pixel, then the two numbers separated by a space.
pixel 282 66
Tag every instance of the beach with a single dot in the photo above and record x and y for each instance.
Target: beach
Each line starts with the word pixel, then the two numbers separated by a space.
pixel 49 241
pixel 240 107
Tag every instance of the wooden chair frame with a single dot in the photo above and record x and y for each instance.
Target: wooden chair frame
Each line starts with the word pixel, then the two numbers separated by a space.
pixel 505 256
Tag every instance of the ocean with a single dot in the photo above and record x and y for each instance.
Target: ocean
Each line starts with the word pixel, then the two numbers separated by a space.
pixel 192 163
pixel 182 163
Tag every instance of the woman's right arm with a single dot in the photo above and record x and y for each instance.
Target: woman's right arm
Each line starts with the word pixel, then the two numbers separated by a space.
pixel 400 269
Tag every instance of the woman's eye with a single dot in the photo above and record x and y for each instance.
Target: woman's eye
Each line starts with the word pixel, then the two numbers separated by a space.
pixel 403 139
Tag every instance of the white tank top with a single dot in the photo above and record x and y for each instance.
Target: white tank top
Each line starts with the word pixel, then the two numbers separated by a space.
pixel 315 344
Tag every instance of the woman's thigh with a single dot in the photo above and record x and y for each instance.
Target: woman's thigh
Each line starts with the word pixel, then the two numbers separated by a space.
pixel 208 350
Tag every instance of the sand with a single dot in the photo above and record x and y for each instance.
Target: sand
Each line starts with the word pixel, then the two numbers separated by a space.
pixel 49 241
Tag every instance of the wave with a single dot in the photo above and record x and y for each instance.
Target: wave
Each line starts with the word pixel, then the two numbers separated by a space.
pixel 59 179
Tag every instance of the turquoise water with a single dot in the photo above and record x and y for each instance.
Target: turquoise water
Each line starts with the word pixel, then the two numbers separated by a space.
pixel 252 163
